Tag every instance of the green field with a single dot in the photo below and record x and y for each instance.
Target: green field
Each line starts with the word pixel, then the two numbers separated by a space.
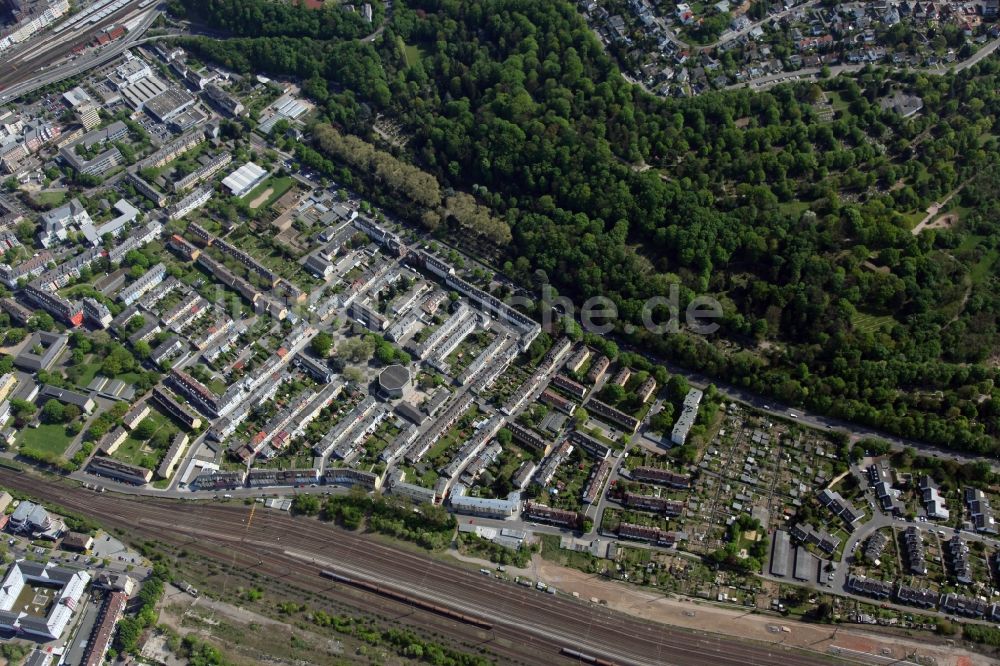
pixel 135 452
pixel 984 267
pixel 90 371
pixel 872 323
pixel 138 452
pixel 794 209
pixel 278 186
pixel 46 438
pixel 980 269
pixel 413 54
pixel 49 199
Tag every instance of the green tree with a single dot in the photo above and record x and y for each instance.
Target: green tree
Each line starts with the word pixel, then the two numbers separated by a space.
pixel 145 429
pixel 307 505
pixel 52 411
pixel 322 344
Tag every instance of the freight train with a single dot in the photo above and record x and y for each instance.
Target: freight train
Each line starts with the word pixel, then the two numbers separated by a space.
pixel 407 599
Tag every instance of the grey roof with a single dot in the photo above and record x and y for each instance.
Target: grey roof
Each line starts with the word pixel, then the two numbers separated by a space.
pixel 394 377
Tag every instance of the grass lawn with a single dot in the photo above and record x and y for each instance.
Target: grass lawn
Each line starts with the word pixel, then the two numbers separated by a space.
pixel 871 323
pixel 837 102
pixel 128 377
pixel 567 558
pixel 794 209
pixel 49 199
pixel 278 187
pixel 217 385
pixel 912 219
pixel 413 54
pixel 137 452
pixel 47 438
pixel 983 269
pixel 90 370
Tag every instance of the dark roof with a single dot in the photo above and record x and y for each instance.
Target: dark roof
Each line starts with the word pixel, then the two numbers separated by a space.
pixel 410 413
pixel 394 377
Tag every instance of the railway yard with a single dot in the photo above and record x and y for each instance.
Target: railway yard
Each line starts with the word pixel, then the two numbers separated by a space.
pixel 527 627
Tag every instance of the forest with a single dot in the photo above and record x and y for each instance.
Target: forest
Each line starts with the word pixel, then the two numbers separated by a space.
pixel 801 224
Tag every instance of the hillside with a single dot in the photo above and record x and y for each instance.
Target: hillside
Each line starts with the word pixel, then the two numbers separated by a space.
pixel 799 223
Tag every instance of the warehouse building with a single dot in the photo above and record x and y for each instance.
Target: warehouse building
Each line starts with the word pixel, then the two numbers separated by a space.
pixel 244 179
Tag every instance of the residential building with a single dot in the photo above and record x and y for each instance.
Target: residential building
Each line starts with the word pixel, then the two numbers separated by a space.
pixel 840 507
pixel 652 503
pixel 119 471
pixel 172 456
pixel 664 477
pixel 8 383
pixel 152 277
pixel 68 397
pixel 958 555
pixel 191 202
pixel 347 476
pixel 64 310
pixel 485 507
pixel 135 416
pixel 913 544
pixel 178 411
pixel 689 412
pixel 616 416
pixel 980 511
pixel 112 440
pixel 112 611
pixel 553 516
pixel 869 587
pixel 653 535
pixel 96 313
pixel 934 503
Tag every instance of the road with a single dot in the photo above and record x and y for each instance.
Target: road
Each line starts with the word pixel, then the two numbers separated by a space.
pixel 729 35
pixel 15 82
pixel 295 549
pixel 766 405
pixel 810 73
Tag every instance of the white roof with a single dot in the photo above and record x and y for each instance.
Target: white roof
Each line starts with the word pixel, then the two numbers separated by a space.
pixel 240 179
pixel 76 97
pixel 291 108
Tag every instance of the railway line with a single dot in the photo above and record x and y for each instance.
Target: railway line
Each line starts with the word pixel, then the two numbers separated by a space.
pixel 51 49
pixel 535 627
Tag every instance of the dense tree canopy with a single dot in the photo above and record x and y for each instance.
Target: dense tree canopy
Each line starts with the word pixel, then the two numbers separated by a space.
pixel 798 223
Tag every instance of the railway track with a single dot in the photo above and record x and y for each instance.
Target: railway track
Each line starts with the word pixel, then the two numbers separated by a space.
pixel 528 626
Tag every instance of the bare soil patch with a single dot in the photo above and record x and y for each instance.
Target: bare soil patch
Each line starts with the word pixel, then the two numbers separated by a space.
pixel 264 196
